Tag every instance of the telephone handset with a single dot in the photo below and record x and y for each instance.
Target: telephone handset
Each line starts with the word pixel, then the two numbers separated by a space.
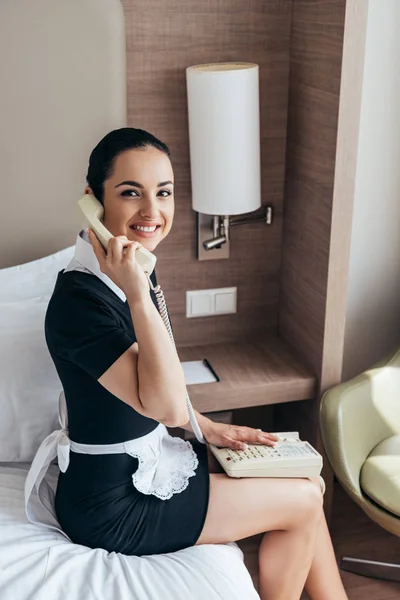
pixel 92 211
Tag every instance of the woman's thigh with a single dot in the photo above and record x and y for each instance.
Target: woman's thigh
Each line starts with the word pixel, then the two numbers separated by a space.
pixel 239 508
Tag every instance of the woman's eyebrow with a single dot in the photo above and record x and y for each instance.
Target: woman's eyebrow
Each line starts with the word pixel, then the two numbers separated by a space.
pixel 133 183
pixel 139 185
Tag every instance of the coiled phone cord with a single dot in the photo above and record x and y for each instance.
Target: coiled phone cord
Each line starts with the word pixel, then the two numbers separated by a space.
pixel 164 315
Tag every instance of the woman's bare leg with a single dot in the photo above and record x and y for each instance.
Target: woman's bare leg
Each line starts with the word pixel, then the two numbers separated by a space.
pixel 323 578
pixel 290 509
pixel 324 581
pixel 285 559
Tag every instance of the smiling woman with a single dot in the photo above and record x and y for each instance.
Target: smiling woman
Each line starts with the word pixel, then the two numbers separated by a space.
pixel 120 373
pixel 131 174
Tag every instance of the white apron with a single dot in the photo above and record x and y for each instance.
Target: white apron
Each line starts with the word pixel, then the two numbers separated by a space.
pixel 165 465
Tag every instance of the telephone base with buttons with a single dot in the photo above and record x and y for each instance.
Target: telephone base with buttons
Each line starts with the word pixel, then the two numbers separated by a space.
pixel 290 457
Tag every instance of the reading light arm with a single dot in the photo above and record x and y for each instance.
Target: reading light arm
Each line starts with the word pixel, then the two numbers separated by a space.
pixel 222 225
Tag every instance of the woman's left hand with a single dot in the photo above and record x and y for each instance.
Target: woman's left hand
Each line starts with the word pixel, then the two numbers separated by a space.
pixel 237 437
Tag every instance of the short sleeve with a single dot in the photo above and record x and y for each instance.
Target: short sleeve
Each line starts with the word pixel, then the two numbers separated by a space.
pixel 82 329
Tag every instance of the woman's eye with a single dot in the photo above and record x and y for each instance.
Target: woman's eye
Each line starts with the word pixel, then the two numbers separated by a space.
pixel 129 193
pixel 165 193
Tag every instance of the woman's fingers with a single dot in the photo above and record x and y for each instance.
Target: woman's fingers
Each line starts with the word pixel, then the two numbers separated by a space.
pixel 256 436
pixel 116 244
pixel 131 249
pixel 97 247
pixel 265 437
pixel 234 444
pixel 120 265
pixel 119 245
pixel 269 438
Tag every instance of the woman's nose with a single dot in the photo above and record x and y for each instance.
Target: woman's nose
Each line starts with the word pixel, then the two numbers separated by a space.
pixel 149 208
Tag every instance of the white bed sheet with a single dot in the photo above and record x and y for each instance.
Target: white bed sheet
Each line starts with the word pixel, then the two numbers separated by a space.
pixel 38 564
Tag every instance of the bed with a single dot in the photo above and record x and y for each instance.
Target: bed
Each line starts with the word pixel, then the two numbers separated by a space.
pixel 37 564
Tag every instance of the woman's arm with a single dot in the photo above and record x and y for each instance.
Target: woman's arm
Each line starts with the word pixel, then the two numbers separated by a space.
pixel 205 424
pixel 148 376
pixel 161 382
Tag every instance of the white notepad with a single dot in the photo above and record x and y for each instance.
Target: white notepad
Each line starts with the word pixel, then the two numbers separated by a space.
pixel 197 371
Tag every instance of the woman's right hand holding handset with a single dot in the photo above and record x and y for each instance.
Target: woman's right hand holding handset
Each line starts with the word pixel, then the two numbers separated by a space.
pixel 120 265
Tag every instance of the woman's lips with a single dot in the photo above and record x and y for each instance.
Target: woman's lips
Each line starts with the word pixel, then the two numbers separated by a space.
pixel 146 234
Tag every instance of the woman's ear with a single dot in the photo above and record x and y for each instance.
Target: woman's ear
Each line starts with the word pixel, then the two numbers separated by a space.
pixel 88 190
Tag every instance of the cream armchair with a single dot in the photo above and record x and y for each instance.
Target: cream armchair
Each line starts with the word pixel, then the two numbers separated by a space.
pixel 360 425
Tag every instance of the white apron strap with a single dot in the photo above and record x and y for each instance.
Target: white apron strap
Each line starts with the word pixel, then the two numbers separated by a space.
pixel 40 510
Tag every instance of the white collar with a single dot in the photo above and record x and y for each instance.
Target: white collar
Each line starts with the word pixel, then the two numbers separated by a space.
pixel 85 256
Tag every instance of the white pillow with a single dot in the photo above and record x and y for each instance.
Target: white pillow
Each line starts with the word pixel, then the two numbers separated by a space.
pixel 29 383
pixel 34 278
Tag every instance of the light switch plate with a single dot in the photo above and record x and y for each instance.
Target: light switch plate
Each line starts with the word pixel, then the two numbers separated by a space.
pixel 206 303
pixel 201 305
pixel 224 303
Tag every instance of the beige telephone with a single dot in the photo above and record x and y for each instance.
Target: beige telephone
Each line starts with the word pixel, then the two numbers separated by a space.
pixel 92 211
pixel 290 457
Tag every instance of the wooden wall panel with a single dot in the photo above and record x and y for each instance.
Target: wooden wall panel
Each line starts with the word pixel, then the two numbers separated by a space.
pixel 315 74
pixel 351 91
pixel 324 109
pixel 163 38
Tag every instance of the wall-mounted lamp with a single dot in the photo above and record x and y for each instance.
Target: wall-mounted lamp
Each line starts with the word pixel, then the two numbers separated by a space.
pixel 224 137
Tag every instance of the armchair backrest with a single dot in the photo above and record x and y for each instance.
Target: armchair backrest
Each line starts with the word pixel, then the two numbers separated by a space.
pixel 357 415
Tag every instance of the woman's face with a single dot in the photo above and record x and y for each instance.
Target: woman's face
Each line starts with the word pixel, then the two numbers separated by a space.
pixel 139 196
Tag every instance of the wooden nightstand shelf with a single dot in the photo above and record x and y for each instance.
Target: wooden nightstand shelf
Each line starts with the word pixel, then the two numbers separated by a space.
pixel 251 374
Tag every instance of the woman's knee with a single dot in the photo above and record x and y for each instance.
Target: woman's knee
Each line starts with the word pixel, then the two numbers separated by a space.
pixel 309 502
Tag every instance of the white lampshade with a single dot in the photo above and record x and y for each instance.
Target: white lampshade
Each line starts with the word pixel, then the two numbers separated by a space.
pixel 224 137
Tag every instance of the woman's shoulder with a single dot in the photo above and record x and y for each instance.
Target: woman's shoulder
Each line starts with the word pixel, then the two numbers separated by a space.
pixel 81 321
pixel 76 291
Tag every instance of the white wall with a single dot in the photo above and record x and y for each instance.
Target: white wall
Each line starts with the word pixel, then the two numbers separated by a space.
pixel 373 305
pixel 63 76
